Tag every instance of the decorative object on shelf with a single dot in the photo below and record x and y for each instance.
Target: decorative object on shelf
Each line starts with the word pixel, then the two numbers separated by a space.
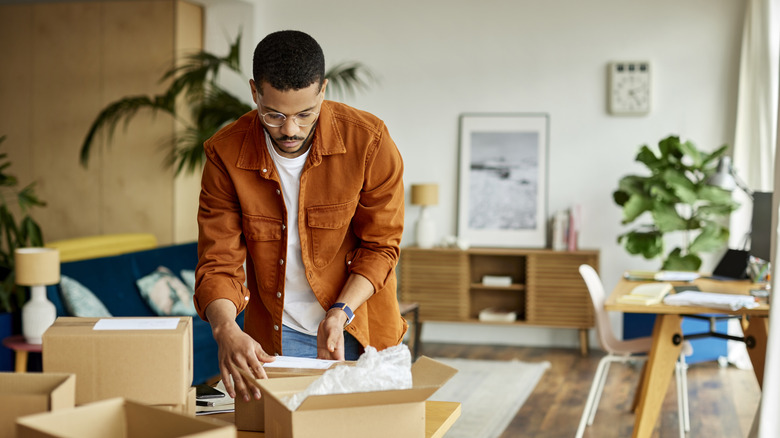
pixel 629 88
pixel 502 194
pixel 425 195
pixel 678 197
pixel 566 229
pixel 37 267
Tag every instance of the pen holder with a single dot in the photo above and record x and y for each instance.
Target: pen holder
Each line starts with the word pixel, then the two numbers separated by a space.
pixel 758 270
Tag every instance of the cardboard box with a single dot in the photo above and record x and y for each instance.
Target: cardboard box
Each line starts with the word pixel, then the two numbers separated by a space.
pixel 251 415
pixel 186 409
pixel 30 393
pixel 139 361
pixel 119 418
pixel 378 414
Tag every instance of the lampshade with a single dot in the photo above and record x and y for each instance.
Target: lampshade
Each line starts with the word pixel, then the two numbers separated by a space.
pixel 425 194
pixel 723 177
pixel 37 266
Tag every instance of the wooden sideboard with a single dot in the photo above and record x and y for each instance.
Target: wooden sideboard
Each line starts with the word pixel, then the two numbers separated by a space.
pixel 546 288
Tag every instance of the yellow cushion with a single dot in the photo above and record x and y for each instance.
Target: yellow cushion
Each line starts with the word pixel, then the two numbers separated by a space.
pixel 90 247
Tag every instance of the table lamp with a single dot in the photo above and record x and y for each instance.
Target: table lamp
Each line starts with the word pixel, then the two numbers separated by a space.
pixel 425 195
pixel 726 177
pixel 37 268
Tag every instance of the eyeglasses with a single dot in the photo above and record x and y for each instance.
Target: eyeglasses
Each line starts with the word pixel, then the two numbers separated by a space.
pixel 276 120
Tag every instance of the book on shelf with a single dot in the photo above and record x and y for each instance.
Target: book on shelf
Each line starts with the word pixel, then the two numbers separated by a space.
pixel 497 280
pixel 646 294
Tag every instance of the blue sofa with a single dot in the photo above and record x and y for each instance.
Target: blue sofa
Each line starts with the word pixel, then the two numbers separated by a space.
pixel 113 280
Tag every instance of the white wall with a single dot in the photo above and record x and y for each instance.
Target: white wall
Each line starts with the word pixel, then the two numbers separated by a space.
pixel 438 59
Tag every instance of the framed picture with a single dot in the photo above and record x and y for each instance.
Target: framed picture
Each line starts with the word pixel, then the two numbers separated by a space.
pixel 502 190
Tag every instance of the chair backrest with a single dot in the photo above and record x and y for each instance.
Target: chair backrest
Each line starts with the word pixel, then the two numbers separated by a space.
pixel 596 288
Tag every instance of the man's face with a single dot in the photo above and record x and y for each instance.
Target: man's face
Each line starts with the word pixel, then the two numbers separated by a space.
pixel 290 140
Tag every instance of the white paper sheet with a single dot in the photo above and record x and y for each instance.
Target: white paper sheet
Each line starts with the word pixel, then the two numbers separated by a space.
pixel 300 362
pixel 137 324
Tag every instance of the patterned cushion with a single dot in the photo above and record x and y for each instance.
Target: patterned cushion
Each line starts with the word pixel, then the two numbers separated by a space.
pixel 80 301
pixel 188 275
pixel 166 294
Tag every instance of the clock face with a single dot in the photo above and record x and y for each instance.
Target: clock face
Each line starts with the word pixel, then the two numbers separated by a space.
pixel 629 90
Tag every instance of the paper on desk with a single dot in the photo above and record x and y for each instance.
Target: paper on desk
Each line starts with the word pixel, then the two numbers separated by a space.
pixel 137 324
pixel 710 299
pixel 300 362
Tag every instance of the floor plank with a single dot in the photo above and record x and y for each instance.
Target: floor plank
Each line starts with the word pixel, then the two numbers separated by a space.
pixel 722 401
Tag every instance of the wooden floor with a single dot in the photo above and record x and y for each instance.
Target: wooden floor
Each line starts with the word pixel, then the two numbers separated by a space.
pixel 722 401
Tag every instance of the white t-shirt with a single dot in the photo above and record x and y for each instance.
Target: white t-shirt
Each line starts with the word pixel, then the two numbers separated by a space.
pixel 302 311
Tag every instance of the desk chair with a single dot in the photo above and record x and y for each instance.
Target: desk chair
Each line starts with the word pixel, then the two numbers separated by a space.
pixel 622 351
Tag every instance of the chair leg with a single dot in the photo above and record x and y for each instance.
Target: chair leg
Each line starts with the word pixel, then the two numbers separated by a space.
pixel 602 381
pixel 595 388
pixel 681 379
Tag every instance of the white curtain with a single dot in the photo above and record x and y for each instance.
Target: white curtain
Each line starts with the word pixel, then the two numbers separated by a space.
pixel 755 136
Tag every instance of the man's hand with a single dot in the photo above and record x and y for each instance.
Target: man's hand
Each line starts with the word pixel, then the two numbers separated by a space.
pixel 236 350
pixel 330 335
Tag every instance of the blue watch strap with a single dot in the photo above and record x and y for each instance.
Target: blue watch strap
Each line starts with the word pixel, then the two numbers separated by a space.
pixel 346 309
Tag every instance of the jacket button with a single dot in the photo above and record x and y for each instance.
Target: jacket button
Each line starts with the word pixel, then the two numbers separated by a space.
pixel 281 261
pixel 278 295
pixel 246 298
pixel 284 227
pixel 278 192
pixel 276 327
pixel 265 170
pixel 349 262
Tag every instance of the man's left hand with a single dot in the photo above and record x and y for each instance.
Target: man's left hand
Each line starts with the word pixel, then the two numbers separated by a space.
pixel 330 335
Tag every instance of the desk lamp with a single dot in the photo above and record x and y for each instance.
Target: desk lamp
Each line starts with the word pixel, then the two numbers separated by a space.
pixel 37 268
pixel 726 178
pixel 425 195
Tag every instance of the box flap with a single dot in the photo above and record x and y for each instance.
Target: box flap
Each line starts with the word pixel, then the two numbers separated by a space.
pixel 428 372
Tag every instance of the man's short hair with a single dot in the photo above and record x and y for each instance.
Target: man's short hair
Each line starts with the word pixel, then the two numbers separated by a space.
pixel 288 60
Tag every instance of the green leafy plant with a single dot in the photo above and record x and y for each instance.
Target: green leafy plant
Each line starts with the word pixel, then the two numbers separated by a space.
pixel 208 107
pixel 13 234
pixel 677 197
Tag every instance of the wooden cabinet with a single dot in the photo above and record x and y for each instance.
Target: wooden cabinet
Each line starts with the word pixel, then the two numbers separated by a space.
pixel 546 287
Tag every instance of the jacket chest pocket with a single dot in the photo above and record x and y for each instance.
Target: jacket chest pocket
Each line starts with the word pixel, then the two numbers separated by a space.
pixel 263 240
pixel 329 225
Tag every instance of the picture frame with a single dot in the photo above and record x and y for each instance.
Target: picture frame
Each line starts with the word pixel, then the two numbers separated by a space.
pixel 502 187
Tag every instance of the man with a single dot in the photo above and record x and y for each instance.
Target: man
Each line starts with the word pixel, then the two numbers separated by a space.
pixel 310 194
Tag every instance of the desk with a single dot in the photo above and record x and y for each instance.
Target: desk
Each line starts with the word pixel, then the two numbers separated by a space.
pixel 439 417
pixel 667 341
pixel 21 349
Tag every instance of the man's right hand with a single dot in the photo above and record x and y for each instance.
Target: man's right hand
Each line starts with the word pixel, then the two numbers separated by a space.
pixel 236 350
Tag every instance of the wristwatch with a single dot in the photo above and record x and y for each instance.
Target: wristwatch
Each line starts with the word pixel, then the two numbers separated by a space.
pixel 347 310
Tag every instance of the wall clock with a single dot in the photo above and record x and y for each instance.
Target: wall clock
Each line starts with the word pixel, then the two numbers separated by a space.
pixel 629 88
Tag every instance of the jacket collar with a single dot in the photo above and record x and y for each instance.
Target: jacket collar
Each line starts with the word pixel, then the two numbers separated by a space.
pixel 254 152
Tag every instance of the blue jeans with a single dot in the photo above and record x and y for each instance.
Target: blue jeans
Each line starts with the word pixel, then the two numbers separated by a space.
pixel 297 344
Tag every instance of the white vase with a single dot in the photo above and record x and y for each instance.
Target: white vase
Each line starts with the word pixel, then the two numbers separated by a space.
pixel 37 315
pixel 426 229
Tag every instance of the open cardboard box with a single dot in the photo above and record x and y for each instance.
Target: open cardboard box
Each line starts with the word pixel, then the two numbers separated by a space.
pixel 250 415
pixel 30 393
pixel 141 362
pixel 378 414
pixel 120 418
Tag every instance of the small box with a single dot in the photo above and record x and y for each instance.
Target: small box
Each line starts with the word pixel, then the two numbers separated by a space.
pixel 251 415
pixel 119 418
pixel 25 394
pixel 378 414
pixel 148 360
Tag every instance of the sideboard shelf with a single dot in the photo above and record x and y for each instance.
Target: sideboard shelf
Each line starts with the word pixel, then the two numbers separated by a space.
pixel 546 288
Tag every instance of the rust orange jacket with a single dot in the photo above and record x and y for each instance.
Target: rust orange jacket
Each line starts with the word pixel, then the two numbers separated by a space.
pixel 351 214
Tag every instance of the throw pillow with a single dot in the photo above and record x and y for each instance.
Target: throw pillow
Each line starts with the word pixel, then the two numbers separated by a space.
pixel 188 275
pixel 166 294
pixel 80 301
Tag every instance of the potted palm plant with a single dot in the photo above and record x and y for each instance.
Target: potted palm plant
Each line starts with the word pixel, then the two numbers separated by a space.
pixel 677 198
pixel 211 107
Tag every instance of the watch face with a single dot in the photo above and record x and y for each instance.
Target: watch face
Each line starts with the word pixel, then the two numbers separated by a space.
pixel 629 91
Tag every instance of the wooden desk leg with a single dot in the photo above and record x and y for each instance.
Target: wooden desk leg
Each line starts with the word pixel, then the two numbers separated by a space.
pixel 660 366
pixel 584 342
pixel 21 361
pixel 757 328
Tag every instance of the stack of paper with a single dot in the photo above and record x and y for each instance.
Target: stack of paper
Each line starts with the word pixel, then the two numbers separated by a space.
pixel 647 294
pixel 661 275
pixel 712 299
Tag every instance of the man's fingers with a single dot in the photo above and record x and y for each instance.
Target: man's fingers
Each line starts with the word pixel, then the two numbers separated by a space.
pixel 228 382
